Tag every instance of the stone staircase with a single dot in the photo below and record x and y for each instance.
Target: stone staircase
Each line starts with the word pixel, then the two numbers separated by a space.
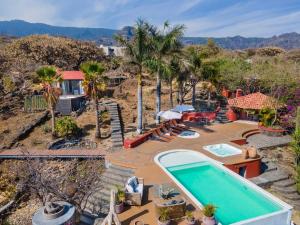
pixel 279 182
pixel 221 116
pixel 116 126
pixel 97 203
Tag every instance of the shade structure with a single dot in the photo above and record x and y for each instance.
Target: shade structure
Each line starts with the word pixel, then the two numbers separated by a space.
pixel 255 101
pixel 169 115
pixel 184 108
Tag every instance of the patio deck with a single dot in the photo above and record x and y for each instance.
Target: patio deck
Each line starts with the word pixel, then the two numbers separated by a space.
pixel 141 159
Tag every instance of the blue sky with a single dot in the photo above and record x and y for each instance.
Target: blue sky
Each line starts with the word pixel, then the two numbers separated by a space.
pixel 217 18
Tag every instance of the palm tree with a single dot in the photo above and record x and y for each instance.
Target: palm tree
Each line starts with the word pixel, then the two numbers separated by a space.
pixel 138 50
pixel 193 63
pixel 171 73
pixel 164 43
pixel 94 82
pixel 48 77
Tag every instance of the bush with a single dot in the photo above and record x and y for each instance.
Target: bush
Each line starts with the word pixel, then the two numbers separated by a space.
pixel 8 84
pixel 66 126
pixel 298 179
pixel 46 129
pixel 295 144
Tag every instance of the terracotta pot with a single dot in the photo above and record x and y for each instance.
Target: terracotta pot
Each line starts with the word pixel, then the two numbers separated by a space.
pixel 245 153
pixel 252 152
pixel 191 222
pixel 168 222
pixel 138 223
pixel 119 208
pixel 209 220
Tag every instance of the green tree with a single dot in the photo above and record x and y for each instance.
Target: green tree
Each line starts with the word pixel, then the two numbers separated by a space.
pixel 164 43
pixel 193 61
pixel 48 77
pixel 137 51
pixel 94 82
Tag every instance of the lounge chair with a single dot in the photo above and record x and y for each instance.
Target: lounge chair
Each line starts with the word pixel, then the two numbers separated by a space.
pixel 134 191
pixel 157 135
pixel 162 133
pixel 175 125
pixel 168 129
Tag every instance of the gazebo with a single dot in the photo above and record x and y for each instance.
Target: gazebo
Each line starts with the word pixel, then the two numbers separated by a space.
pixel 248 106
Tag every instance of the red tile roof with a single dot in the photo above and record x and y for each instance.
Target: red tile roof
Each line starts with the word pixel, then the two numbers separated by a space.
pixel 252 101
pixel 72 75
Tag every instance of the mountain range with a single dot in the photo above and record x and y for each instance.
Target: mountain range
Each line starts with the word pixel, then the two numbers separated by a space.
pixel 20 28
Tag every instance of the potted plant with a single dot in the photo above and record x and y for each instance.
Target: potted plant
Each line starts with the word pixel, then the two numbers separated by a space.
pixel 164 217
pixel 209 214
pixel 190 219
pixel 120 198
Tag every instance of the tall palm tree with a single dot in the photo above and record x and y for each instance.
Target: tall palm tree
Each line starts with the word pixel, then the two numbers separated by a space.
pixel 193 63
pixel 164 43
pixel 171 73
pixel 48 77
pixel 94 82
pixel 137 50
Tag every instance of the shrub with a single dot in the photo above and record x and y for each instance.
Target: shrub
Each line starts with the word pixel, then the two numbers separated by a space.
pixel 164 214
pixel 267 117
pixel 66 126
pixel 8 84
pixel 209 210
pixel 46 129
pixel 295 144
pixel 298 179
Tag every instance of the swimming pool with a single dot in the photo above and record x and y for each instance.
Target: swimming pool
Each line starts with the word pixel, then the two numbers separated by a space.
pixel 222 150
pixel 207 181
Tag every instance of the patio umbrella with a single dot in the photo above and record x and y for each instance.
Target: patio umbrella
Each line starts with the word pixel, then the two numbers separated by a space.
pixel 183 108
pixel 169 115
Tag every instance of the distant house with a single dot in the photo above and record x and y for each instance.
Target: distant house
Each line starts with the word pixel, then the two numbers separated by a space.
pixel 72 83
pixel 113 50
pixel 72 98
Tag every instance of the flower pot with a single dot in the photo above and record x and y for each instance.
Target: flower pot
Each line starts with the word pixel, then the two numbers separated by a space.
pixel 138 223
pixel 168 222
pixel 209 220
pixel 245 153
pixel 252 152
pixel 119 208
pixel 191 222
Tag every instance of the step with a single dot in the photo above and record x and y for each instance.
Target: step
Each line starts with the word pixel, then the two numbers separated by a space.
pixel 268 178
pixel 129 170
pixel 114 177
pixel 284 183
pixel 293 196
pixel 267 167
pixel 285 190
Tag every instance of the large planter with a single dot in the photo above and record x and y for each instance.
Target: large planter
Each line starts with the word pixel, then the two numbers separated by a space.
pixel 270 131
pixel 168 222
pixel 119 208
pixel 231 115
pixel 209 220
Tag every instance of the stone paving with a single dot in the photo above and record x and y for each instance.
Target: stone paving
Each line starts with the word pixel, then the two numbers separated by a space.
pixel 261 141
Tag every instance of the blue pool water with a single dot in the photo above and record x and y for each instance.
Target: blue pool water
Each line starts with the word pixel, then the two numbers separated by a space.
pixel 222 150
pixel 235 200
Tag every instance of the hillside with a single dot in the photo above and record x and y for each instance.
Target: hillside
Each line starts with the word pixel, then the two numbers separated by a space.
pixel 19 28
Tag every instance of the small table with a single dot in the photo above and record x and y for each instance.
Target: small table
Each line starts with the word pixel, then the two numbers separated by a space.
pixel 163 188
